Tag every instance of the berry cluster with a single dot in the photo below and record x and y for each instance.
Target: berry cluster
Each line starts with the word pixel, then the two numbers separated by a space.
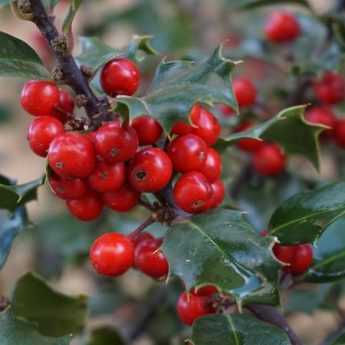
pixel 114 164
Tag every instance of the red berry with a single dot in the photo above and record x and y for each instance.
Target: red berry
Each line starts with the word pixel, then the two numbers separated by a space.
pixel 41 133
pixel 330 89
pixel 143 236
pixel 181 128
pixel 120 77
pixel 39 97
pixel 65 106
pixel 322 116
pixel 206 290
pixel 121 200
pixel 269 160
pixel 226 111
pixel 148 129
pixel 282 26
pixel 205 124
pixel 87 208
pixel 192 192
pixel 339 133
pixel 191 307
pixel 68 188
pixel 150 170
pixel 245 92
pixel 218 194
pixel 188 153
pixel 284 253
pixel 112 254
pixel 115 143
pixel 71 155
pixel 150 260
pixel 263 233
pixel 248 145
pixel 212 168
pixel 106 178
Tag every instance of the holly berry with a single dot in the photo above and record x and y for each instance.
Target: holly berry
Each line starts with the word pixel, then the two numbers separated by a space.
pixel 150 260
pixel 67 188
pixel 226 111
pixel 107 177
pixel 71 155
pixel 205 124
pixel 322 115
pixel 298 257
pixel 41 133
pixel 191 307
pixel 188 153
pixel 115 143
pixel 248 144
pixel 218 194
pixel 120 77
pixel 212 168
pixel 181 128
pixel 282 26
pixel 206 290
pixel 150 170
pixel 112 254
pixel 87 208
pixel 269 160
pixel 39 97
pixel 121 200
pixel 339 133
pixel 245 91
pixel 330 89
pixel 148 129
pixel 143 236
pixel 65 106
pixel 192 192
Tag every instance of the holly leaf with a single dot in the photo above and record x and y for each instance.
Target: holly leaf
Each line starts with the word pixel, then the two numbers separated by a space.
pixel 340 340
pixel 179 84
pixel 73 9
pixel 289 129
pixel 329 255
pixel 15 331
pixel 95 53
pixel 105 336
pixel 54 313
pixel 12 196
pixel 303 218
pixel 18 59
pixel 222 248
pixel 236 330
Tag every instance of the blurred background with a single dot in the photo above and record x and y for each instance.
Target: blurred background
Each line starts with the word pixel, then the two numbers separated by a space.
pixel 57 245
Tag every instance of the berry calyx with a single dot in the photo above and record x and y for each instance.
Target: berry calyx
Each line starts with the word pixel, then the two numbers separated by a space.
pixel 190 307
pixel 245 91
pixel 205 124
pixel 107 177
pixel 39 97
pixel 65 106
pixel 212 168
pixel 112 254
pixel 150 170
pixel 115 143
pixel 192 192
pixel 249 145
pixel 72 155
pixel 282 26
pixel 269 160
pixel 150 260
pixel 67 188
pixel 148 129
pixel 121 200
pixel 324 116
pixel 120 77
pixel 42 131
pixel 87 208
pixel 188 153
pixel 339 133
pixel 330 89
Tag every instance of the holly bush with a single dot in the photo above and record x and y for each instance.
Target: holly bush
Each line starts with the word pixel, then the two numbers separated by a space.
pixel 197 170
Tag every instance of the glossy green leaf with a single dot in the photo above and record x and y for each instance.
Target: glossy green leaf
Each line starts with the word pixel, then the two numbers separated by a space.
pixel 305 216
pixel 339 341
pixel 12 196
pixel 236 330
pixel 329 254
pixel 250 4
pixel 18 59
pixel 105 336
pixel 289 129
pixel 15 331
pixel 179 84
pixel 222 248
pixel 54 313
pixel 95 53
pixel 73 9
